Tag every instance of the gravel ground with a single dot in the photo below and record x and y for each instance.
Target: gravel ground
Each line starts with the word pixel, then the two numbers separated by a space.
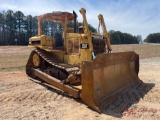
pixel 21 98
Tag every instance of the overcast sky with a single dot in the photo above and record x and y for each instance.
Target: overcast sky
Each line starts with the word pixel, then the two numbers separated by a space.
pixel 138 17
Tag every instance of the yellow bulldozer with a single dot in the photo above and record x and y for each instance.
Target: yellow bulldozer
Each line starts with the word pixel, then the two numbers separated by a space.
pixel 84 66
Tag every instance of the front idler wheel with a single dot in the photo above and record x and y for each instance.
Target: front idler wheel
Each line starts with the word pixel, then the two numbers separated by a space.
pixel 36 60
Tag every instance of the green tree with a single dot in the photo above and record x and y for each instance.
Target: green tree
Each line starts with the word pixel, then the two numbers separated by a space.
pixel 19 27
pixel 153 38
pixel 2 28
pixel 34 25
pixel 10 26
pixel 91 28
pixel 117 37
pixel 29 25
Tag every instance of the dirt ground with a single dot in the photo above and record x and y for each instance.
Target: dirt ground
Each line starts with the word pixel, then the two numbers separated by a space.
pixel 21 98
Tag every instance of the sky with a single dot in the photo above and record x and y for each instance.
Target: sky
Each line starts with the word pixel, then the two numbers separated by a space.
pixel 137 17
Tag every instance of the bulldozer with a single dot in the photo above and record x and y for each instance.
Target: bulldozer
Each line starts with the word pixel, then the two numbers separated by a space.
pixel 85 66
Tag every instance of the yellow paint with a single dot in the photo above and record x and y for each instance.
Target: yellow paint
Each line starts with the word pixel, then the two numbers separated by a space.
pixel 70 55
pixel 46 42
pixel 36 60
pixel 72 52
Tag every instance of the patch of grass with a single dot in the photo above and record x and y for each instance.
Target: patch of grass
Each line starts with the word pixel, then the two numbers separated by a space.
pixel 8 69
pixel 13 62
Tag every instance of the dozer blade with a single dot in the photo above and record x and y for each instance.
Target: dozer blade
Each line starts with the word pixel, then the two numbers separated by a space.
pixel 107 76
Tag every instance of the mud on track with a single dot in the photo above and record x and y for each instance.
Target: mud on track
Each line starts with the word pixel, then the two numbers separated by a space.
pixel 21 98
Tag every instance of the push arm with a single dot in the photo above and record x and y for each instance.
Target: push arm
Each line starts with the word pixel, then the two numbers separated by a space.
pixel 106 35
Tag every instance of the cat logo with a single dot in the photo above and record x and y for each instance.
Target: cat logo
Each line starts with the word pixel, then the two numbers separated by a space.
pixel 84 46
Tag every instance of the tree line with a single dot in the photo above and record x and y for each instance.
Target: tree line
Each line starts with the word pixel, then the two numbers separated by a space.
pixel 117 37
pixel 153 38
pixel 17 28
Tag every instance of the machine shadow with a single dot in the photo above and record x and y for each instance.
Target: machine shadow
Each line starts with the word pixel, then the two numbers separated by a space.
pixel 121 103
pixel 116 106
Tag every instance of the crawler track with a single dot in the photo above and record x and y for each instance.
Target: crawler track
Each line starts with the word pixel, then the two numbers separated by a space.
pixel 52 62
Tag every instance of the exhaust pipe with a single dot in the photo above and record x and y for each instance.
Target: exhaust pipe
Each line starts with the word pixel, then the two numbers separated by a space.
pixel 75 19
